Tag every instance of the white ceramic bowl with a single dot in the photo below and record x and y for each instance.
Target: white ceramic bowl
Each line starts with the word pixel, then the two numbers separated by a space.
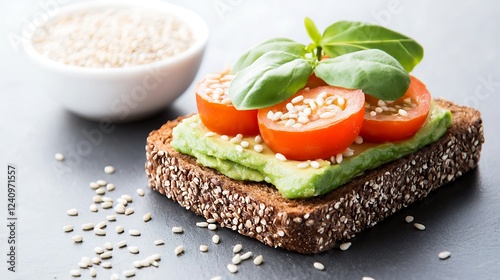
pixel 127 93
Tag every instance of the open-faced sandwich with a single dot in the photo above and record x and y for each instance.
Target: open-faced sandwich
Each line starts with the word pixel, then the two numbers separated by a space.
pixel 303 146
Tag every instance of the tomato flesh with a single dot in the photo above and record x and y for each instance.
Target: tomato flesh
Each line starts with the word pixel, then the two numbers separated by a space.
pixel 320 137
pixel 391 124
pixel 218 113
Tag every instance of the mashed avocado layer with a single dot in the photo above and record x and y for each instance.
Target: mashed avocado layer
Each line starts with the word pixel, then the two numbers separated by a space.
pixel 193 138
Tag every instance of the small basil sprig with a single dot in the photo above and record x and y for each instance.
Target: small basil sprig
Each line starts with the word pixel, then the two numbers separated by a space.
pixel 348 54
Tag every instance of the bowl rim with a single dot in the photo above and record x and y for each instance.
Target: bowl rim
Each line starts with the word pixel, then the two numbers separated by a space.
pixel 196 23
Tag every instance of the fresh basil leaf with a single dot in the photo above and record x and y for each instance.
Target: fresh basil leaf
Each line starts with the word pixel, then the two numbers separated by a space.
pixel 345 37
pixel 281 44
pixel 312 31
pixel 373 71
pixel 272 78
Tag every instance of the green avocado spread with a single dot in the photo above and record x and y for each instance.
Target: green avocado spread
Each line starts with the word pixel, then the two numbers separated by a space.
pixel 213 150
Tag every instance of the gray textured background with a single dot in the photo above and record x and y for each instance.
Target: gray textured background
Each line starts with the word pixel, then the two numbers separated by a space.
pixel 461 53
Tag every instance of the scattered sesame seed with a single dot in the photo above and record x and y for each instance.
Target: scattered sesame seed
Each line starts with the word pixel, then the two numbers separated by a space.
pixel 373 113
pixel 68 228
pixel 106 255
pixel 120 208
pixel 96 260
pixel 303 164
pixel 97 199
pixel 315 164
pixel 140 192
pixel 246 255
pixel 121 244
pixel 326 115
pixel 75 273
pixel 133 249
pixel 224 137
pixel 115 276
pixel 106 199
pixel 127 197
pixel 270 115
pixel 419 226
pixel 77 238
pixel 59 157
pixel 129 211
pixel 92 272
pixel 358 140
pixel 110 187
pixel 98 250
pixel 106 265
pixel 109 169
pixel 345 246
pixel 146 217
pixel 216 278
pixel 339 158
pixel 177 230
pixel 280 157
pixel 258 139
pixel 202 224
pixel 159 242
pixel 409 219
pixel 107 205
pixel 129 273
pixel 155 263
pixel 258 260
pixel 119 229
pixel 134 232
pixel 318 266
pixel 72 212
pixel 367 278
pixel 232 268
pixel 101 224
pixel 111 218
pixel 244 144
pixel 137 264
pixel 402 112
pixel 212 226
pixel 258 148
pixel 444 255
pixel 179 250
pixel 99 232
pixel 93 208
pixel 94 185
pixel 216 239
pixel 122 201
pixel 88 226
pixel 209 134
pixel 237 248
pixel 203 248
pixel 108 246
pixel 100 191
pixel 211 220
pixel 236 259
pixel 102 182
pixel 82 265
pixel 239 148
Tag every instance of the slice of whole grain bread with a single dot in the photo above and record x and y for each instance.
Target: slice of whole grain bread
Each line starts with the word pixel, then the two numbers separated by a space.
pixel 316 224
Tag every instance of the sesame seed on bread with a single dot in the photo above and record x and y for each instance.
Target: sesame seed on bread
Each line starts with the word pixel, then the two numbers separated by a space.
pixel 316 224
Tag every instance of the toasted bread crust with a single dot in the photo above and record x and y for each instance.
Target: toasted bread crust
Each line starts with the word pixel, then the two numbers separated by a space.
pixel 316 224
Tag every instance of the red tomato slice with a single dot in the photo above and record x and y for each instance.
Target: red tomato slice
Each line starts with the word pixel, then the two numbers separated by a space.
pixel 217 111
pixel 320 129
pixel 399 119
